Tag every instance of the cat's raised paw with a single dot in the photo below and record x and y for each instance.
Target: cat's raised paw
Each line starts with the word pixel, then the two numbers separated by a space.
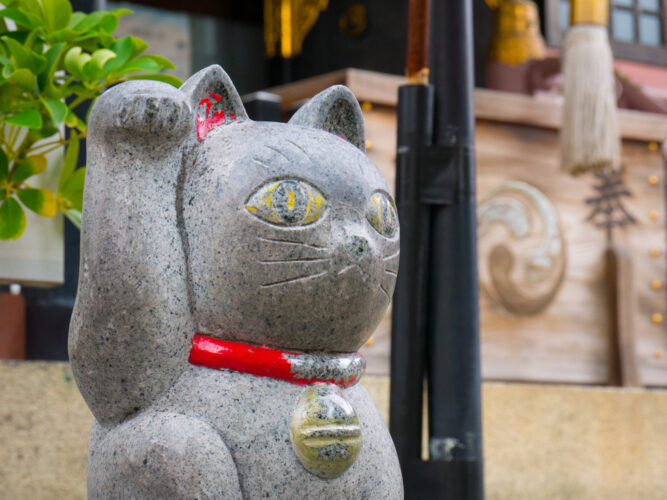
pixel 164 115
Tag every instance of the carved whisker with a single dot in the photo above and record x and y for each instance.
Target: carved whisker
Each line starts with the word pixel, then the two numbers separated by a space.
pixel 361 166
pixel 292 280
pixel 392 256
pixel 262 163
pixel 300 259
pixel 292 242
pixel 272 148
pixel 300 149
pixel 347 268
pixel 391 271
pixel 385 292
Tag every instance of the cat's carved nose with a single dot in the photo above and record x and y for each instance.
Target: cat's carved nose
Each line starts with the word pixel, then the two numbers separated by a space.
pixel 357 248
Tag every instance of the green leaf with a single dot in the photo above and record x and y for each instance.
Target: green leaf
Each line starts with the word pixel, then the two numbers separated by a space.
pixel 52 56
pixel 71 58
pixel 102 56
pixel 33 6
pixel 81 126
pixel 90 21
pixel 25 78
pixel 47 130
pixel 26 118
pixel 57 13
pixel 32 165
pixel 4 166
pixel 40 201
pixel 109 23
pixel 138 46
pixel 12 220
pixel 74 216
pixel 81 62
pixel 38 62
pixel 72 190
pixel 18 53
pixel 71 159
pixel 143 63
pixel 21 17
pixel 61 35
pixel 163 62
pixel 76 18
pixel 45 79
pixel 121 12
pixel 17 36
pixel 71 119
pixel 90 70
pixel 160 77
pixel 57 109
pixel 123 50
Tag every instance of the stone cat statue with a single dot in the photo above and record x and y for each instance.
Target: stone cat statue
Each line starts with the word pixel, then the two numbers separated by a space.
pixel 230 270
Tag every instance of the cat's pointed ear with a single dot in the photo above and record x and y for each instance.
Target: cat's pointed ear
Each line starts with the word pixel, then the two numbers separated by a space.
pixel 213 99
pixel 335 110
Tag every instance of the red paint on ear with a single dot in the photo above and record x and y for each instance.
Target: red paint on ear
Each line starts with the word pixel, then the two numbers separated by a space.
pixel 207 121
pixel 342 137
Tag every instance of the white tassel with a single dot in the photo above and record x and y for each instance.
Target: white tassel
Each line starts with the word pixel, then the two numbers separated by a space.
pixel 589 133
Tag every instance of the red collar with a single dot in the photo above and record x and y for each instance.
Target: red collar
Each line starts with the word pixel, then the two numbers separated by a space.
pixel 343 370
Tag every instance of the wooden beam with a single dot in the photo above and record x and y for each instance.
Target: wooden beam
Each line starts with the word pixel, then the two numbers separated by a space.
pixel 492 105
pixel 623 359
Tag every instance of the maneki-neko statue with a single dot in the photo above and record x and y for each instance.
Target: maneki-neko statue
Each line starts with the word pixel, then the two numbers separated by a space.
pixel 230 271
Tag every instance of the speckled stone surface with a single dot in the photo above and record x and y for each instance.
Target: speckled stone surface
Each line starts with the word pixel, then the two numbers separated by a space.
pixel 197 219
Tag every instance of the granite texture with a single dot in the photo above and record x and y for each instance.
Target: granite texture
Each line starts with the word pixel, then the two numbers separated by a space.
pixel 197 219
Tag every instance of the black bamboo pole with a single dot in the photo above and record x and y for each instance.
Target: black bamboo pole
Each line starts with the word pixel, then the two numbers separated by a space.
pixel 408 363
pixel 455 436
pixel 408 355
pixel 435 330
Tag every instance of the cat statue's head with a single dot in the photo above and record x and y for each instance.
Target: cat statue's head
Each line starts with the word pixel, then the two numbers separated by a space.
pixel 290 232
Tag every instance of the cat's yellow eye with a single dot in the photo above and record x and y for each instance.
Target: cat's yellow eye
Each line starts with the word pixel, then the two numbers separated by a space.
pixel 287 202
pixel 381 213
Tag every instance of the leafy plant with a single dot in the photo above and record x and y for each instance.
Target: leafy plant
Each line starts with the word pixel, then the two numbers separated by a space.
pixel 51 61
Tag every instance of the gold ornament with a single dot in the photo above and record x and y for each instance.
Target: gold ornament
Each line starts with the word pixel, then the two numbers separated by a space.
pixel 516 36
pixel 589 12
pixel 325 431
pixel 287 22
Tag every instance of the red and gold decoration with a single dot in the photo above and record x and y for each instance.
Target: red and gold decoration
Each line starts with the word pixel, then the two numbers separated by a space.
pixel 516 36
pixel 343 370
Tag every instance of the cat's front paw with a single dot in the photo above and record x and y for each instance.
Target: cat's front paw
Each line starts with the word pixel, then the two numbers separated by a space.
pixel 164 117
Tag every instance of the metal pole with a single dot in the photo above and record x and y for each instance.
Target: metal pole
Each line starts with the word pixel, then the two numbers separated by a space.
pixel 455 436
pixel 435 328
pixel 408 355
pixel 408 363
